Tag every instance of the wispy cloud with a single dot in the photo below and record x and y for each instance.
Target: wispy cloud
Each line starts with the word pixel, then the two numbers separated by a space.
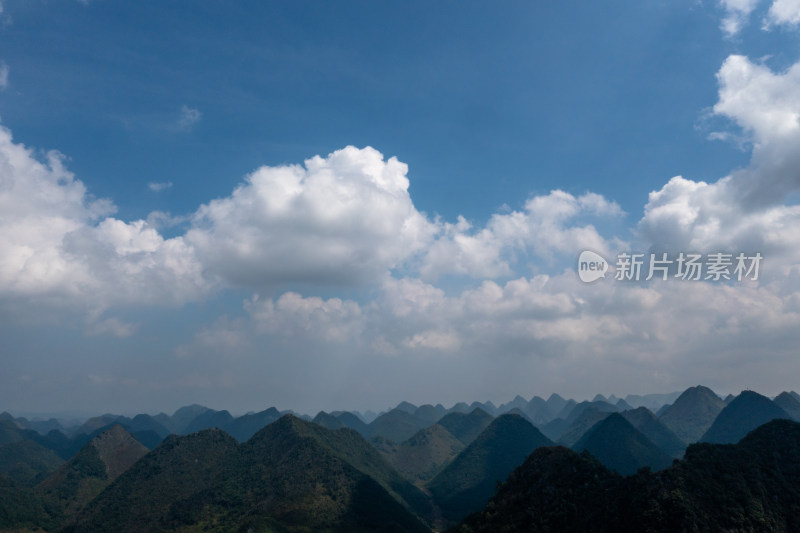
pixel 737 13
pixel 3 71
pixel 189 117
pixel 783 12
pixel 111 326
pixel 159 186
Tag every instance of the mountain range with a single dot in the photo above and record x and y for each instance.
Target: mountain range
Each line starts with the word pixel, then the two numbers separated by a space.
pixel 411 468
pixel 466 484
pixel 751 486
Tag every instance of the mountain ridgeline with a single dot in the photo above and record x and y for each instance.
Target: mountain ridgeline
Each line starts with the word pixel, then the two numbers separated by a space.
pixel 621 447
pixel 290 476
pixel 623 462
pixel 751 486
pixel 467 483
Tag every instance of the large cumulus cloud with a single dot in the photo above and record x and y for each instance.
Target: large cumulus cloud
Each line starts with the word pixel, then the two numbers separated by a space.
pixel 752 208
pixel 60 246
pixel 345 218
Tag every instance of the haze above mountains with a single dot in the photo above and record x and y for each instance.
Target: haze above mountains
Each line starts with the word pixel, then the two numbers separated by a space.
pixel 412 468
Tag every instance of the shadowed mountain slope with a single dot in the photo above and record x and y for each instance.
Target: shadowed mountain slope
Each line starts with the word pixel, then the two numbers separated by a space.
pixel 745 413
pixel 621 447
pixel 466 484
pixel 645 421
pixel 422 456
pixel 692 413
pixel 92 469
pixel 290 476
pixel 751 486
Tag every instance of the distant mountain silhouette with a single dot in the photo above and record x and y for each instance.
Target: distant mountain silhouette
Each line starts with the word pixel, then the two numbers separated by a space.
pixel 209 419
pixel 245 426
pixel 789 403
pixel 692 413
pixel 587 417
pixel 465 485
pixel 183 416
pixel 621 447
pixel 328 421
pixel 654 402
pixel 622 405
pixel 407 407
pixel 43 427
pixel 23 460
pixel 554 429
pixel 598 405
pixel 353 422
pixel 141 423
pixel 489 407
pixel 645 421
pixel 466 427
pixel 556 403
pixel 460 407
pixel 519 412
pixel 422 456
pixel 429 413
pixel 396 425
pixel 565 411
pixel 518 402
pixel 97 422
pixel 745 413
pixel 539 411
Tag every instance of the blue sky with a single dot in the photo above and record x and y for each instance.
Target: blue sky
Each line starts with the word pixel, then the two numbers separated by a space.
pixel 181 249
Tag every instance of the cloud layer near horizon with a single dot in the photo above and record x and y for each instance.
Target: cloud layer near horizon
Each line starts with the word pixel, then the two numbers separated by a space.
pixel 459 291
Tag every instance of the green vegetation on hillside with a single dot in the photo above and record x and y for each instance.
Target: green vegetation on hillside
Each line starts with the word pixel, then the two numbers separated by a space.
pixel 751 486
pixel 466 484
pixel 621 447
pixel 422 456
pixel 92 469
pixel 745 413
pixel 466 426
pixel 290 476
pixel 692 413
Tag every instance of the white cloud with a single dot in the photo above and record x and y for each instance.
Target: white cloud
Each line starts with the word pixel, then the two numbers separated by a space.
pixel 763 103
pixel 747 210
pixel 545 227
pixel 332 320
pixel 346 218
pixel 59 245
pixel 3 71
pixel 783 12
pixel 112 326
pixel 737 13
pixel 542 330
pixel 189 117
pixel 159 186
pixel 528 332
